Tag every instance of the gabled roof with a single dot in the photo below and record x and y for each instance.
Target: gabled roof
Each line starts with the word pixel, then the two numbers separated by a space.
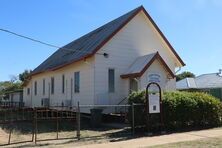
pixel 204 81
pixel 212 80
pixel 141 64
pixel 87 45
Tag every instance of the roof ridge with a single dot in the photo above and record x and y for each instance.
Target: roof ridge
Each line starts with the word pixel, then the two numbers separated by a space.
pixel 114 26
pixel 90 43
pixel 100 27
pixel 205 74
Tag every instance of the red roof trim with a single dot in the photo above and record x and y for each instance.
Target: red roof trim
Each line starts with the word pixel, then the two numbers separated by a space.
pixel 163 36
pixel 141 8
pixel 155 57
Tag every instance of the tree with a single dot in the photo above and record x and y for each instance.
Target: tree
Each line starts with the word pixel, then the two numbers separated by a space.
pixel 9 86
pixel 185 74
pixel 13 84
pixel 13 78
pixel 25 75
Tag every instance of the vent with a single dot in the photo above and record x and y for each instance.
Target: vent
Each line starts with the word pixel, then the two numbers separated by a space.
pixel 67 103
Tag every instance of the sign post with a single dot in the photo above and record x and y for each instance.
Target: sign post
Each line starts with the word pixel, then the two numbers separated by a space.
pixel 153 105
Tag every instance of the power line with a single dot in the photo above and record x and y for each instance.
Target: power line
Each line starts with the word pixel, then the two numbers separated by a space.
pixel 41 42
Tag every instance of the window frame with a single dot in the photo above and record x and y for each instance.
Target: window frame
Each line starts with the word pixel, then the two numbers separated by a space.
pixel 28 91
pixel 43 86
pixel 111 88
pixel 35 88
pixel 77 82
pixel 63 83
pixel 52 85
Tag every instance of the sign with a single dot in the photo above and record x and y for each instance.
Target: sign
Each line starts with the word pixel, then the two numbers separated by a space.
pixel 154 106
pixel 154 78
pixel 154 103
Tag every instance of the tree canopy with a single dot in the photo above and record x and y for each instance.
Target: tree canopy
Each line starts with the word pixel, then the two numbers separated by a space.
pixel 14 84
pixel 25 75
pixel 185 74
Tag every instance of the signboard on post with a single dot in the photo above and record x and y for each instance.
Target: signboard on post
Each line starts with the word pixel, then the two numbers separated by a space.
pixel 154 103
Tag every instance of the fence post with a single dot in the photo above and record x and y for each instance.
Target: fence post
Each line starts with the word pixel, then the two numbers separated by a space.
pixel 33 123
pixel 133 120
pixel 78 122
pixel 35 112
pixel 57 125
pixel 10 132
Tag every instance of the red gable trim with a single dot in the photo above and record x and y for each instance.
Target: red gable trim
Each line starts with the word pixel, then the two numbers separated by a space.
pixel 163 36
pixel 98 47
pixel 114 33
pixel 155 57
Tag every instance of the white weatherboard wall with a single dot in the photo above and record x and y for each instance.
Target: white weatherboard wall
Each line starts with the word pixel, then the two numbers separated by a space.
pixel 85 96
pixel 156 68
pixel 137 38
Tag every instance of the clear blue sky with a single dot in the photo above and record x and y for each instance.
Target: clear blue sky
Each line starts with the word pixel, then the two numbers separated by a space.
pixel 194 28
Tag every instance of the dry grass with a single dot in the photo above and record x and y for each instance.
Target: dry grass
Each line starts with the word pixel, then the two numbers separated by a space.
pixel 89 136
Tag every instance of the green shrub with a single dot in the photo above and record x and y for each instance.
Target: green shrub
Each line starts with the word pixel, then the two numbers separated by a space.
pixel 182 109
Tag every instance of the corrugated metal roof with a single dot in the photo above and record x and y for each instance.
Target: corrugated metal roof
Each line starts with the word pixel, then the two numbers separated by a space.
pixel 139 64
pixel 85 45
pixel 187 83
pixel 212 80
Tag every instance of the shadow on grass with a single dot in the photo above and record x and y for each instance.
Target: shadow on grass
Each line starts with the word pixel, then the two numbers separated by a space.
pixel 42 126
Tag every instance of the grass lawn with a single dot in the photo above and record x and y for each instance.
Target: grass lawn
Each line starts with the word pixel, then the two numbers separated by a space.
pixel 88 135
pixel 215 142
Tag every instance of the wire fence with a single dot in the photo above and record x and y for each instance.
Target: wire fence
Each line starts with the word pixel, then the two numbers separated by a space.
pixel 34 122
pixel 112 121
pixel 63 122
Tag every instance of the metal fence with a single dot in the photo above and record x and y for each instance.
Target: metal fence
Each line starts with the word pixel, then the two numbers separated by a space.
pixel 110 121
pixel 7 104
pixel 82 121
pixel 31 118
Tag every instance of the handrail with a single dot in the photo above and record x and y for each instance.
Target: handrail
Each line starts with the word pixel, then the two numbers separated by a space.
pixel 122 101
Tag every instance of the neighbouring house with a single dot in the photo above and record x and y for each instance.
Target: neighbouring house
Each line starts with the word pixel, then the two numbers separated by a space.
pixel 105 65
pixel 210 83
pixel 13 98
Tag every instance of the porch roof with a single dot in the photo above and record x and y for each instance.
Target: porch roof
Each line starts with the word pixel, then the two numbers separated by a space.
pixel 141 64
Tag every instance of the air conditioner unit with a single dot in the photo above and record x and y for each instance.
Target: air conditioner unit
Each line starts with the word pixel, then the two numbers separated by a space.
pixel 45 102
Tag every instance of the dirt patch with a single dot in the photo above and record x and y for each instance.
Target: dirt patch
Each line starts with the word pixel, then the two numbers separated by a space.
pixel 3 136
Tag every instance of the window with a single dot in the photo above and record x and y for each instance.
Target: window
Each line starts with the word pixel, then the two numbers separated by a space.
pixel 28 91
pixel 63 84
pixel 43 86
pixel 52 85
pixel 76 82
pixel 111 81
pixel 35 88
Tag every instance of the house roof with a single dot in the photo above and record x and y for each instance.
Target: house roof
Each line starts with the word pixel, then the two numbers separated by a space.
pixel 205 81
pixel 15 91
pixel 213 80
pixel 141 64
pixel 87 45
pixel 187 83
